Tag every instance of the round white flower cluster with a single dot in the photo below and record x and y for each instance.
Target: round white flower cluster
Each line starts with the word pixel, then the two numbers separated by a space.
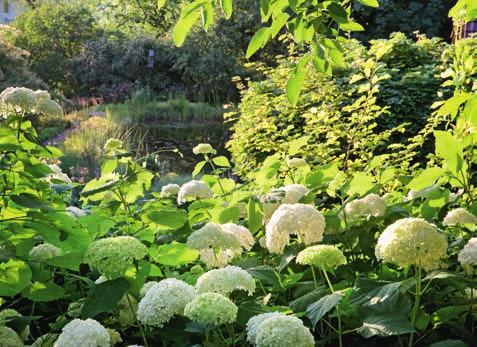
pixel 295 163
pixel 277 330
pixel 289 194
pixel 224 281
pixel 324 257
pixel 468 255
pixel 9 337
pixel 204 148
pixel 170 190
pixel 145 288
pixel 211 309
pixel 76 212
pixel 26 100
pixel 163 301
pixel 194 190
pixel 412 241
pixel 44 252
pixel 301 220
pixel 218 244
pixel 459 216
pixel 370 205
pixel 57 175
pixel 83 333
pixel 113 255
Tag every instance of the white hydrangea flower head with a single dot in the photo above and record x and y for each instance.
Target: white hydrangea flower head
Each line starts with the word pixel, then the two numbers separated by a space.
pixel 41 95
pixel 19 98
pixel 217 258
pixel 414 194
pixel 57 174
pixel 371 205
pixel 211 309
pixel 468 255
pixel 277 330
pixel 44 252
pixel 459 216
pixel 412 241
pixel 46 340
pixel 163 301
pixel 170 190
pixel 75 212
pixel 226 280
pixel 212 235
pixel 204 148
pixel 242 233
pixel 294 193
pixel 194 190
pixel 111 256
pixel 101 279
pixel 471 293
pixel 9 337
pixel 145 288
pixel 301 220
pixel 295 163
pixel 48 107
pixel 324 257
pixel 289 194
pixel 83 333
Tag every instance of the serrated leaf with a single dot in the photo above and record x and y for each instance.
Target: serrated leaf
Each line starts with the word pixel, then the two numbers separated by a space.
pixel 104 297
pixel 168 219
pixel 385 324
pixel 174 254
pixel 317 310
pixel 43 292
pixel 15 275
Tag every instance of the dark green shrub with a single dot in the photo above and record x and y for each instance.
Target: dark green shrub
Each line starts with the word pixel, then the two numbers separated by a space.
pixel 374 105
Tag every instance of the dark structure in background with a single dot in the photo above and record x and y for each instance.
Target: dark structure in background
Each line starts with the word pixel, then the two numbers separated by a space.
pixel 470 29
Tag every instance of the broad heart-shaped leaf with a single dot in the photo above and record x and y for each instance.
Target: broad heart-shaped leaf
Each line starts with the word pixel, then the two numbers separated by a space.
pixel 450 149
pixel 446 314
pixel 259 39
pixel 104 297
pixel 317 310
pixel 43 292
pixel 168 219
pixel 322 175
pixel 221 161
pixel 385 324
pixel 370 3
pixel 226 8
pixel 30 201
pixel 360 184
pixel 15 275
pixel 173 254
pixel 426 178
pixel 351 26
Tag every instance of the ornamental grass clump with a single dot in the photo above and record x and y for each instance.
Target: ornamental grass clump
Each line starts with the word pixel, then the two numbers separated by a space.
pixel 226 280
pixel 111 256
pixel 459 216
pixel 301 220
pixel 278 330
pixel 83 333
pixel 370 205
pixel 412 241
pixel 211 309
pixel 163 301
pixel 194 190
pixel 468 255
pixel 44 252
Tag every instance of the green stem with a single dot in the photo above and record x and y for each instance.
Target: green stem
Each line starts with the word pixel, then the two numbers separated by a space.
pixel 137 321
pixel 337 309
pixel 471 309
pixel 314 276
pixel 205 208
pixel 416 303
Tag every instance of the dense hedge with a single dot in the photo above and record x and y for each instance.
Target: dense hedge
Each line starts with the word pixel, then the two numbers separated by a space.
pixel 374 105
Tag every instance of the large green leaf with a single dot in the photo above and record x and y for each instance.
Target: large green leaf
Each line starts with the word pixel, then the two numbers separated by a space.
pixel 385 324
pixel 104 297
pixel 450 149
pixel 15 275
pixel 169 219
pixel 446 314
pixel 370 3
pixel 227 7
pixel 318 309
pixel 259 39
pixel 360 184
pixel 43 292
pixel 426 178
pixel 174 254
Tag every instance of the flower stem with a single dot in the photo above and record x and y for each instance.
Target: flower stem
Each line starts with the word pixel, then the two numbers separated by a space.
pixel 314 276
pixel 135 317
pixel 416 303
pixel 337 309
